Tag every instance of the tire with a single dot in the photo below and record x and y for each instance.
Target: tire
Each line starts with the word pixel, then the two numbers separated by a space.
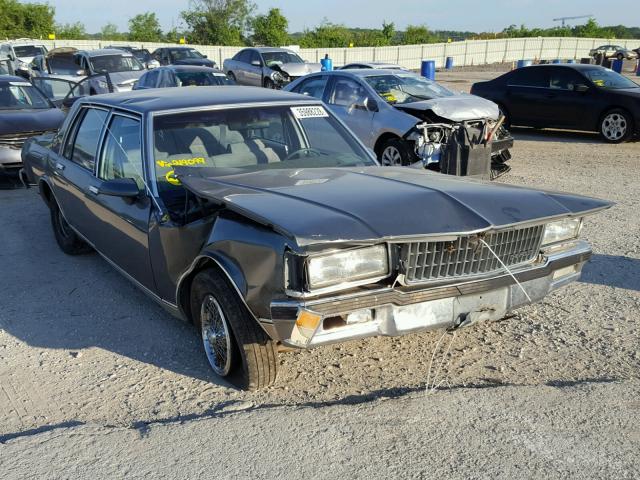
pixel 232 77
pixel 620 56
pixel 616 126
pixel 395 152
pixel 246 356
pixel 268 83
pixel 68 241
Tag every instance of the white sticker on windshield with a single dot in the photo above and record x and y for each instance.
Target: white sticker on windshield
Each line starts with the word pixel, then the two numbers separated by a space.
pixel 315 111
pixel 20 84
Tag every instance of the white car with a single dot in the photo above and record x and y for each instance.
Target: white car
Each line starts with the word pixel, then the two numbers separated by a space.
pixel 20 53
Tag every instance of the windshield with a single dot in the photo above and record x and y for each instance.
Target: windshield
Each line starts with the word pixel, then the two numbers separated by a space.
pixel 21 96
pixel 605 78
pixel 202 79
pixel 184 53
pixel 115 63
pixel 280 58
pixel 406 88
pixel 244 140
pixel 29 51
pixel 62 65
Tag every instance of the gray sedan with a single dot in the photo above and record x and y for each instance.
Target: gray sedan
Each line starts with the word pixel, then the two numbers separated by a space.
pixel 267 67
pixel 405 118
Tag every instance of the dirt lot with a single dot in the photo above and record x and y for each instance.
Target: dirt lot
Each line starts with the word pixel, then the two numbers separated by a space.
pixel 85 358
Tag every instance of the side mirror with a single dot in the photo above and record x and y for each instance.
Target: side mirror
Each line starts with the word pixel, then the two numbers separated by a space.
pixel 364 103
pixel 256 63
pixel 205 56
pixel 582 88
pixel 35 68
pixel 81 72
pixel 120 187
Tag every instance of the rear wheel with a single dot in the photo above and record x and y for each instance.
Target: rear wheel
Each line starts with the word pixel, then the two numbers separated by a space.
pixel 235 345
pixel 232 77
pixel 394 152
pixel 616 126
pixel 68 240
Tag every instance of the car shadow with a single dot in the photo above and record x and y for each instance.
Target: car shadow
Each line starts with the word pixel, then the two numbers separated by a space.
pixel 56 301
pixel 613 271
pixel 550 135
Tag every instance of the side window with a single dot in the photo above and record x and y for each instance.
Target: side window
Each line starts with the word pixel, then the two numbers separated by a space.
pixel 122 151
pixel 565 79
pixel 244 56
pixel 529 77
pixel 82 145
pixel 255 57
pixel 346 92
pixel 314 87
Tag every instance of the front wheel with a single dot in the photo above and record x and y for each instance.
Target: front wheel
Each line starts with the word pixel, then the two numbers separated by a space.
pixel 620 56
pixel 268 83
pixel 395 152
pixel 235 345
pixel 615 126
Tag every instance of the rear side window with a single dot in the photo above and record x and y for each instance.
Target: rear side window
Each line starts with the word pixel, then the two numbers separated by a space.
pixel 314 87
pixel 528 77
pixel 81 148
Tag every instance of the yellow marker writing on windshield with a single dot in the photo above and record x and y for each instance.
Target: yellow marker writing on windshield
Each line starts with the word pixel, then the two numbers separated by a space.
pixel 181 162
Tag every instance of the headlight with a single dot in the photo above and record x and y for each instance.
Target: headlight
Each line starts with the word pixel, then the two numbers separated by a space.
pixel 347 266
pixel 278 77
pixel 566 229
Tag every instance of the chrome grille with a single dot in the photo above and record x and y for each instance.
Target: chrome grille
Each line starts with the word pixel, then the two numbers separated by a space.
pixel 467 256
pixel 16 140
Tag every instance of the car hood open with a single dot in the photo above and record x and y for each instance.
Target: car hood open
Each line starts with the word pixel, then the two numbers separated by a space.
pixel 456 109
pixel 370 204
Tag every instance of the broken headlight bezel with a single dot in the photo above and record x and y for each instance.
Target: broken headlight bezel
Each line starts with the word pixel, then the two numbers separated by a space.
pixel 346 268
pixel 561 231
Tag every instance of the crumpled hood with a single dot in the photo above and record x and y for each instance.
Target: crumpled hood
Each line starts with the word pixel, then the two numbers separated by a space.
pixel 457 108
pixel 363 205
pixel 199 62
pixel 17 121
pixel 299 69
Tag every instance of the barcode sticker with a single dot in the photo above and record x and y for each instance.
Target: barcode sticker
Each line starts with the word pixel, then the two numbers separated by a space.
pixel 315 111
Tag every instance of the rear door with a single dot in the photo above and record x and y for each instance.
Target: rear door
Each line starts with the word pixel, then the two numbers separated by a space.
pixel 74 166
pixel 527 89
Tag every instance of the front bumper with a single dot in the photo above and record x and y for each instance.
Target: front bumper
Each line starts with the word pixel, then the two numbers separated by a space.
pixel 499 145
pixel 398 311
pixel 10 159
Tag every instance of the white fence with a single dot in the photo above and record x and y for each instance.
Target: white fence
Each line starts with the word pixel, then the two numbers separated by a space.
pixel 471 52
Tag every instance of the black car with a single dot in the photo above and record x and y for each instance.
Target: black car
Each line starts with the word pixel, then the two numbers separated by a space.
pixel 182 56
pixel 182 76
pixel 24 112
pixel 258 216
pixel 567 96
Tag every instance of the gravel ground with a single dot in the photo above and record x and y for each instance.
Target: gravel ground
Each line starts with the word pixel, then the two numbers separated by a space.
pixel 81 350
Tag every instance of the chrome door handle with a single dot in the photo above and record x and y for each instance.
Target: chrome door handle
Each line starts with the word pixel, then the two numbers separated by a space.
pixel 94 190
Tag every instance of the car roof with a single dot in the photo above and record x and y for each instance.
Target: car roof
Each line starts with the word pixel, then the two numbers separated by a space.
pixel 161 99
pixel 103 51
pixel 190 68
pixel 271 49
pixel 573 66
pixel 367 72
pixel 4 79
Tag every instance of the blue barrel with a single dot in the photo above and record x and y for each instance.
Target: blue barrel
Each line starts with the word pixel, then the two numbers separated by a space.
pixel 449 63
pixel 556 61
pixel 616 66
pixel 326 63
pixel 638 69
pixel 428 69
pixel 571 61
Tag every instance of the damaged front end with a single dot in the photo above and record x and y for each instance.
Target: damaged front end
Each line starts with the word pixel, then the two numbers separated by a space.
pixel 477 148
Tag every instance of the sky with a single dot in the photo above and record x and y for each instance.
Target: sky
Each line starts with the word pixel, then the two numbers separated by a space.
pixel 470 15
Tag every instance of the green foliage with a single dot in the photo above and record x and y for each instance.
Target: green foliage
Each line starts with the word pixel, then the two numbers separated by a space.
pixel 71 31
pixel 590 29
pixel 33 20
pixel 417 34
pixel 270 29
pixel 110 32
pixel 218 22
pixel 145 27
pixel 326 35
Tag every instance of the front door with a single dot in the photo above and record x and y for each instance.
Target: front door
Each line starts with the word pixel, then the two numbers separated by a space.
pixel 346 99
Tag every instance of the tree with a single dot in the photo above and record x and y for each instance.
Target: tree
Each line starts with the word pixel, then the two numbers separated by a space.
pixel 271 29
pixel 145 27
pixel 33 20
pixel 110 32
pixel 71 31
pixel 218 22
pixel 417 34
pixel 388 31
pixel 326 35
